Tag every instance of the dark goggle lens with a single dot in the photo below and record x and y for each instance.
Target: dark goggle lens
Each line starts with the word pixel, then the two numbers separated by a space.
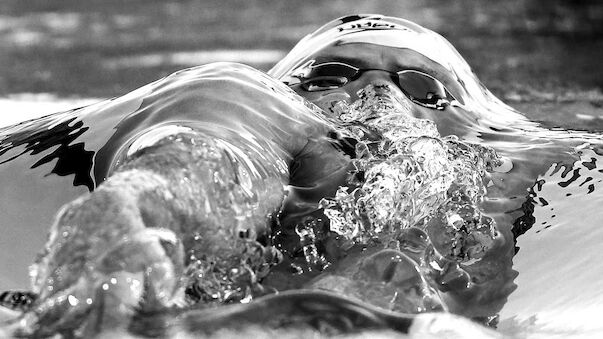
pixel 424 89
pixel 420 87
pixel 327 76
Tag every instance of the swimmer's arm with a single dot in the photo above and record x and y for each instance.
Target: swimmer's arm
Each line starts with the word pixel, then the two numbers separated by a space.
pixel 163 187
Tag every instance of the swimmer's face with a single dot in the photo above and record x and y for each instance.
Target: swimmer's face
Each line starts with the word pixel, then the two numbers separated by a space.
pixel 339 72
pixel 345 69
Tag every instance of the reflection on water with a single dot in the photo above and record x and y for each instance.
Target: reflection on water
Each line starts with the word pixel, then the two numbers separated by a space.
pixel 559 255
pixel 71 158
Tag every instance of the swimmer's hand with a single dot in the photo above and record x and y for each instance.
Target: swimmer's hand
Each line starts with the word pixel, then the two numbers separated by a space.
pixel 124 247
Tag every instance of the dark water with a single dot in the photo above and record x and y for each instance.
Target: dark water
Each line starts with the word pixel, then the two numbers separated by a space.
pixel 527 221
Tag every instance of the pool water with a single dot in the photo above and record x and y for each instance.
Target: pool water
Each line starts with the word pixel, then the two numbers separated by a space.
pixel 500 223
pixel 559 261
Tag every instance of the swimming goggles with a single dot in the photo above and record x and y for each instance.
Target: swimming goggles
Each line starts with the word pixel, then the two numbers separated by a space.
pixel 418 86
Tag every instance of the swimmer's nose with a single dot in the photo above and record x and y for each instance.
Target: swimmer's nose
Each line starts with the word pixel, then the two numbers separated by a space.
pixel 381 80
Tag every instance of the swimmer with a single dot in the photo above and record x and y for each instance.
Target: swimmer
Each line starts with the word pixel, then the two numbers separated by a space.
pixel 423 74
pixel 206 187
pixel 416 70
pixel 187 178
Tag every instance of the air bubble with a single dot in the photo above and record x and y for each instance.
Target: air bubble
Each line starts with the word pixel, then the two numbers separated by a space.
pixel 415 187
pixel 73 301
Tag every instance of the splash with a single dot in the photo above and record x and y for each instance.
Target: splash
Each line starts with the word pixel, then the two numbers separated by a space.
pixel 408 179
pixel 201 239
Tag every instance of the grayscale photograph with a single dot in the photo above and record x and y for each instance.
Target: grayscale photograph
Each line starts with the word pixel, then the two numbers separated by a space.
pixel 301 169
